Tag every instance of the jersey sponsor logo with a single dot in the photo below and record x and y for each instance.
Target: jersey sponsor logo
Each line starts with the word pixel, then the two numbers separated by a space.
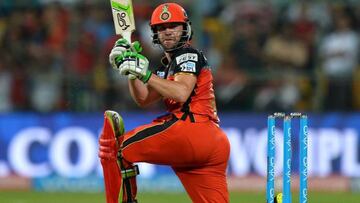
pixel 188 67
pixel 161 74
pixel 186 57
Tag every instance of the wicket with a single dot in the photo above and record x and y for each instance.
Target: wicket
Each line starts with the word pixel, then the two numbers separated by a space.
pixel 303 144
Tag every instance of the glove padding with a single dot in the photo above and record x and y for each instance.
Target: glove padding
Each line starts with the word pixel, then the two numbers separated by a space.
pixel 135 64
pixel 120 47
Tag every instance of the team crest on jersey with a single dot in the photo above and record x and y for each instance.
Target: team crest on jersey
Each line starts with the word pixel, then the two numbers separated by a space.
pixel 161 74
pixel 188 67
pixel 186 57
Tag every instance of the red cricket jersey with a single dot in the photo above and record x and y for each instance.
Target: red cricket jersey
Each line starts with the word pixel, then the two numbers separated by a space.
pixel 201 104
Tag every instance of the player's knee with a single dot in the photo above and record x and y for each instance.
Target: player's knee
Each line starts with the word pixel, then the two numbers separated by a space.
pixel 128 157
pixel 139 153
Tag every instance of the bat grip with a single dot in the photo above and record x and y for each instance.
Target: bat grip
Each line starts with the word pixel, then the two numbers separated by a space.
pixel 127 36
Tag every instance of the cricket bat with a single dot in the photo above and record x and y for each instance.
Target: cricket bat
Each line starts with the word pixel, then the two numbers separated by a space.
pixel 123 16
pixel 124 23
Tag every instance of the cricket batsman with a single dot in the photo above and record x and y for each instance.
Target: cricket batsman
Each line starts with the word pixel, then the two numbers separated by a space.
pixel 188 137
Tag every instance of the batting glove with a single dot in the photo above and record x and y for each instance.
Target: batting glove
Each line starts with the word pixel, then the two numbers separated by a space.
pixel 135 64
pixel 120 47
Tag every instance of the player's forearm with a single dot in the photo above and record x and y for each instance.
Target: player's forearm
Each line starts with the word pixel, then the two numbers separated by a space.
pixel 170 89
pixel 141 94
pixel 138 92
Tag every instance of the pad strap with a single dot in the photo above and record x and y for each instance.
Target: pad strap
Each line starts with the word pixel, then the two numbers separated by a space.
pixel 130 172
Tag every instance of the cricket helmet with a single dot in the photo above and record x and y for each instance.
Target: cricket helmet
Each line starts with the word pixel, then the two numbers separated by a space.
pixel 171 13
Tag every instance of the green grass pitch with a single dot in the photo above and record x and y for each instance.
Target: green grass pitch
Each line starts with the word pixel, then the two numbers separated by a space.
pixel 235 197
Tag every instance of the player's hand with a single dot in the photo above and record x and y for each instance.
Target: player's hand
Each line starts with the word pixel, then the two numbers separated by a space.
pixel 121 46
pixel 136 47
pixel 135 64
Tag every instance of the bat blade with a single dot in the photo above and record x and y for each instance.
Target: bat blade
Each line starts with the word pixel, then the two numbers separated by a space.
pixel 123 17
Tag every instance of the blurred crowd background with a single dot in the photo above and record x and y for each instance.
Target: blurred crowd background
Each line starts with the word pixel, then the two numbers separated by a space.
pixel 266 55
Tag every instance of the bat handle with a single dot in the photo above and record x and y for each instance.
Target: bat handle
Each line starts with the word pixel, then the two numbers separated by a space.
pixel 127 36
